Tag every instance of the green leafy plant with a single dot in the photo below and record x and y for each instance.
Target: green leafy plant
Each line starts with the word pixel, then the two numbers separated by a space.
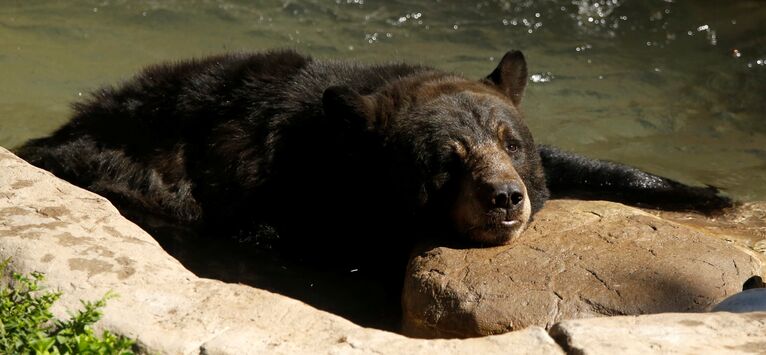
pixel 28 326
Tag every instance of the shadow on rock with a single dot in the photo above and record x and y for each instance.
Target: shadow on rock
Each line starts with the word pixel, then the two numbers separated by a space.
pixel 577 260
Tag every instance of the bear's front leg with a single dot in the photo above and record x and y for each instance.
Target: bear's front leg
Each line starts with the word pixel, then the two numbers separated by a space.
pixel 576 176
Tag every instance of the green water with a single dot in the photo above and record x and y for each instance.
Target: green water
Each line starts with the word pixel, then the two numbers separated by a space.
pixel 675 87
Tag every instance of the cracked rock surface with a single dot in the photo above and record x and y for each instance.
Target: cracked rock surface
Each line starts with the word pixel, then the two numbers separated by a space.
pixel 578 259
pixel 86 248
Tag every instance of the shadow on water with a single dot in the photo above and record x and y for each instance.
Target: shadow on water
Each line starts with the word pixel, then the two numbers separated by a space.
pixel 367 294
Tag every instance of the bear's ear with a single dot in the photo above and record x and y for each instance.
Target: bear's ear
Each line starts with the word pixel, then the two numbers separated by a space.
pixel 343 103
pixel 510 76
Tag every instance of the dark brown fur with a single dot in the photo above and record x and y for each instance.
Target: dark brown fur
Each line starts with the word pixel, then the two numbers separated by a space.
pixel 334 155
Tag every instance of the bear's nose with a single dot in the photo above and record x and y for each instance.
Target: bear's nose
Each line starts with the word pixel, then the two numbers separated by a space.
pixel 508 196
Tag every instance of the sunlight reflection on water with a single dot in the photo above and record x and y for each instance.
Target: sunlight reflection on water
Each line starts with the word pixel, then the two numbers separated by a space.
pixel 675 87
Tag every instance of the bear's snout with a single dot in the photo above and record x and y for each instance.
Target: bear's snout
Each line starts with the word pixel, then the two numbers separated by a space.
pixel 492 205
pixel 504 208
pixel 507 195
pixel 492 212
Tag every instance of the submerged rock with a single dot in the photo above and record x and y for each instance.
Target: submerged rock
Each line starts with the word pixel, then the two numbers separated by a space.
pixel 578 259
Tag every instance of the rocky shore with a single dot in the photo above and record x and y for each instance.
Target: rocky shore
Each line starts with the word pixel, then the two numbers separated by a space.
pixel 578 260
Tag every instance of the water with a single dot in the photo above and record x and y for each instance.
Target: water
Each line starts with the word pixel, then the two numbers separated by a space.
pixel 674 87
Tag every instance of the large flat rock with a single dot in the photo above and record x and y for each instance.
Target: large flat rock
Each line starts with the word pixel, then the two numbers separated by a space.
pixel 716 333
pixel 578 259
pixel 86 248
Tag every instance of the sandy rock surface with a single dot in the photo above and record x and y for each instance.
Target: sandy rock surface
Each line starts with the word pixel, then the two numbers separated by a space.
pixel 578 259
pixel 670 333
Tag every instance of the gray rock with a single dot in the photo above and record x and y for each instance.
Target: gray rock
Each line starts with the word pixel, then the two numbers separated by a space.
pixel 752 300
pixel 578 259
pixel 707 333
pixel 86 248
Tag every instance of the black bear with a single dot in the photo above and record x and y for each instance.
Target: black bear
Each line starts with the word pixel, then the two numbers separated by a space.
pixel 329 151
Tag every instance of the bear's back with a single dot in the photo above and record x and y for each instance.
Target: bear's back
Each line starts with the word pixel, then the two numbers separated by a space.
pixel 200 93
pixel 179 135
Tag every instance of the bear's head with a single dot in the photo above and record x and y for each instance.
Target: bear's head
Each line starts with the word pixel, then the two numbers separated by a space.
pixel 459 148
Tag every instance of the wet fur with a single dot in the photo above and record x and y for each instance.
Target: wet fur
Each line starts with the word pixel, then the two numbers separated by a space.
pixel 571 175
pixel 229 142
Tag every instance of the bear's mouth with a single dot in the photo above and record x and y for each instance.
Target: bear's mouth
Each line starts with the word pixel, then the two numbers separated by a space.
pixel 498 228
pixel 502 225
pixel 509 223
pixel 502 217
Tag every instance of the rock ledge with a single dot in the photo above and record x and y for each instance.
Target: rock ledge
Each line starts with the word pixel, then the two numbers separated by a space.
pixel 579 259
pixel 86 248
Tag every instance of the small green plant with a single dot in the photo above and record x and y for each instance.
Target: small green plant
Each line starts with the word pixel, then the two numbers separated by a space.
pixel 27 326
